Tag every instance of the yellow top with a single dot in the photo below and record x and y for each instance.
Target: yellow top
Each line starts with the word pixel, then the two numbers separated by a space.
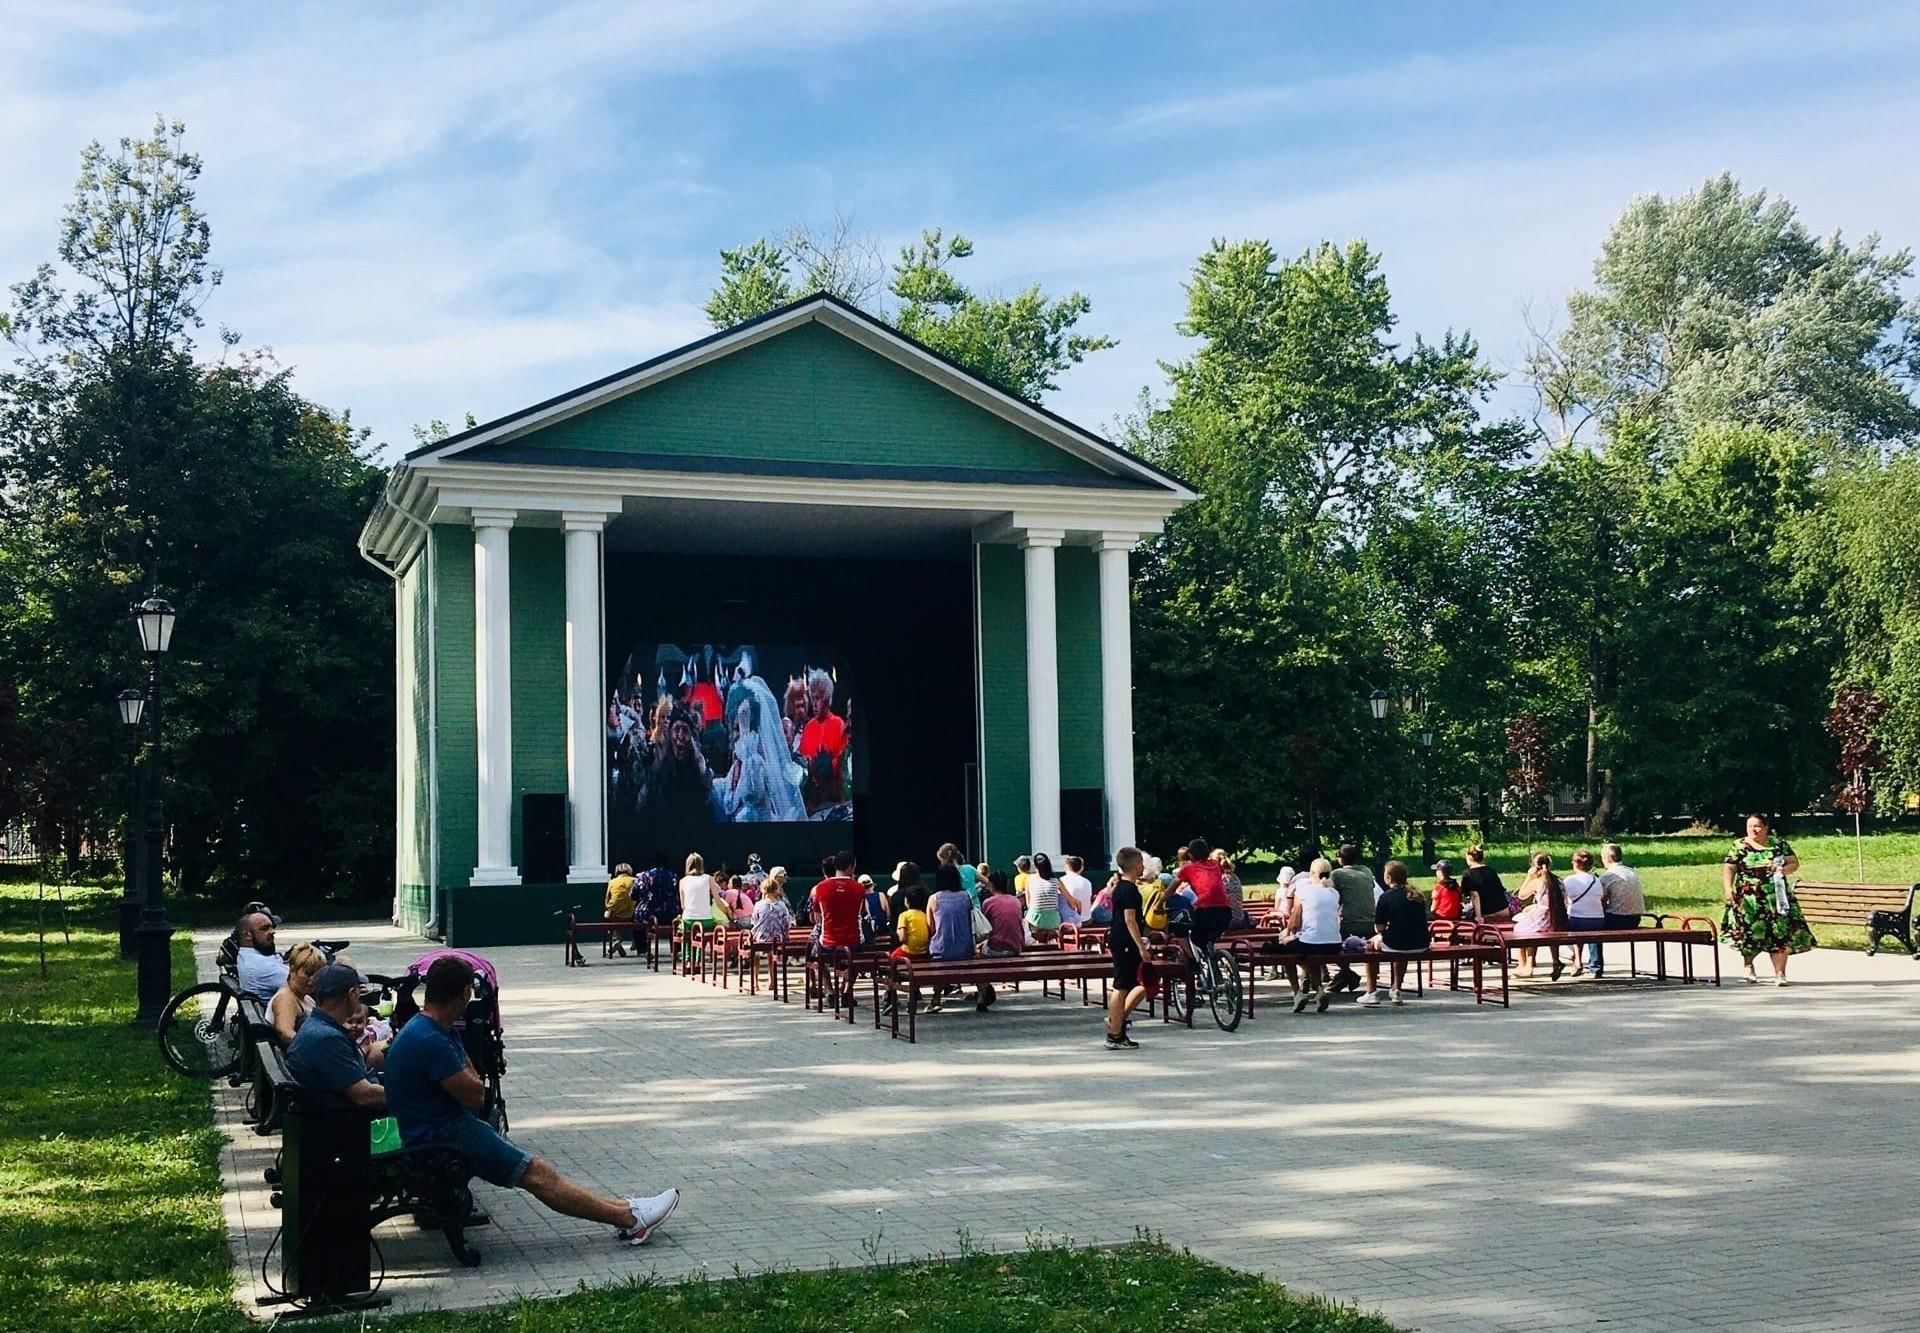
pixel 913 932
pixel 620 898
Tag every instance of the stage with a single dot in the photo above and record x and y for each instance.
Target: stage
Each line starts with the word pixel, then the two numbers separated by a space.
pixel 800 587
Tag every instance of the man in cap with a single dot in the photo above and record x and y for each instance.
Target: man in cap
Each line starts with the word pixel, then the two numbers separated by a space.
pixel 325 1058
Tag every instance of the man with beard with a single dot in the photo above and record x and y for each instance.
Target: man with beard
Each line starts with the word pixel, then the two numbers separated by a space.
pixel 260 969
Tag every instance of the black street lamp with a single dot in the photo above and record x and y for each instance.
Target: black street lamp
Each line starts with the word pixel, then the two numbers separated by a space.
pixel 1378 701
pixel 1426 785
pixel 153 619
pixel 133 707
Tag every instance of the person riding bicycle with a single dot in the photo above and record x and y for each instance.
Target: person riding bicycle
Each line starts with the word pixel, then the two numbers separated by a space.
pixel 1212 909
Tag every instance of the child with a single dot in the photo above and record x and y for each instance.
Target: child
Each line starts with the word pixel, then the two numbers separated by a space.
pixel 1446 892
pixel 915 934
pixel 772 918
pixel 1401 921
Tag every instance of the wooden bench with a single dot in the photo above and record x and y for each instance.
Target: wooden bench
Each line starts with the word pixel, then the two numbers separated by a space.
pixel 1474 947
pixel 433 1183
pixel 1857 903
pixel 612 930
pixel 1691 933
pixel 911 976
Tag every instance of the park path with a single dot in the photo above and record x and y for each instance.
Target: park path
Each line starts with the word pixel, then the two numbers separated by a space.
pixel 1621 1156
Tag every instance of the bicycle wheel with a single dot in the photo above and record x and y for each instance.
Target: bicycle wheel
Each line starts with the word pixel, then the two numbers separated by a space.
pixel 1224 990
pixel 1176 992
pixel 200 1031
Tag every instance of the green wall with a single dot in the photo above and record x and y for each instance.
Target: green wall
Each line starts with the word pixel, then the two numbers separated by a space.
pixel 808 395
pixel 1003 689
pixel 453 672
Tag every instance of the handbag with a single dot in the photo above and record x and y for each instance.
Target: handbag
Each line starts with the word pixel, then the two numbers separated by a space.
pixel 981 926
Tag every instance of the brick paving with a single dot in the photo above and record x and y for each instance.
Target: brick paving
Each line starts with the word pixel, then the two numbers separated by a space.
pixel 1601 1156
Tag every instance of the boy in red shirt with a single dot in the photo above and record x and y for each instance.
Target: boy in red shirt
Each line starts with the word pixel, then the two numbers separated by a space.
pixel 1212 911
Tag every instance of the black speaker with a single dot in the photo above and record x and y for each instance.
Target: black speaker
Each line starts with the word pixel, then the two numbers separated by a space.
pixel 1083 824
pixel 543 838
pixel 326 1179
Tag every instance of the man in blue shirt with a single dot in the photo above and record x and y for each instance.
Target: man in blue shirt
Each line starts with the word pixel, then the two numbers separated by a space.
pixel 324 1058
pixel 436 1094
pixel 260 969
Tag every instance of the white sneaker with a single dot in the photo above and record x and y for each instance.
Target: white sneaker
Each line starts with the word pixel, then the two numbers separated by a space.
pixel 1394 995
pixel 1781 981
pixel 1372 999
pixel 648 1215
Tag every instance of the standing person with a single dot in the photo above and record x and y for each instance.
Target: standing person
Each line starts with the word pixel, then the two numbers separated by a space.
pixel 1400 926
pixel 1314 927
pixel 1043 899
pixel 1548 910
pixel 434 1093
pixel 1446 892
pixel 1485 893
pixel 1354 883
pixel 837 903
pixel 1586 909
pixel 619 905
pixel 1076 893
pixel 1127 945
pixel 1761 913
pixel 1624 900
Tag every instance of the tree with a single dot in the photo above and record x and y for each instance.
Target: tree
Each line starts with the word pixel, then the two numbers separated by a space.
pixel 128 466
pixel 1023 343
pixel 1719 306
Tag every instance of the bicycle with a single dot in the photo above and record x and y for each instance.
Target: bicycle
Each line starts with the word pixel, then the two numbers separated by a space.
pixel 1212 973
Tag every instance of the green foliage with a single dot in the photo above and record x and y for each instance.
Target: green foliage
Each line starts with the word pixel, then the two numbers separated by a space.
pixel 128 466
pixel 1718 306
pixel 1023 343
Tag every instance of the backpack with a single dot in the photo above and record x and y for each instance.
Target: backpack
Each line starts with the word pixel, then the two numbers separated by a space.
pixel 1154 915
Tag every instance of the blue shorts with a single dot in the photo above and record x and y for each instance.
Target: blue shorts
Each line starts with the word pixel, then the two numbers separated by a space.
pixel 493 1156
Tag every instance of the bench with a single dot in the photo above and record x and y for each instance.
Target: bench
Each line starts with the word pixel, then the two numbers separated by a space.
pixel 1475 947
pixel 1881 909
pixel 1692 932
pixel 612 930
pixel 912 976
pixel 433 1183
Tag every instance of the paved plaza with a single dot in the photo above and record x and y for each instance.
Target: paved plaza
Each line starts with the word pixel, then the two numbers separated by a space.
pixel 1612 1155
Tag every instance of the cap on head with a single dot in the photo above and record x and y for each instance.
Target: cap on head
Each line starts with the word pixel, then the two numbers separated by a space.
pixel 333 981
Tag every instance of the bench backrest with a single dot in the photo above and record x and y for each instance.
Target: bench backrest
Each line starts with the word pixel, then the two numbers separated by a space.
pixel 1850 904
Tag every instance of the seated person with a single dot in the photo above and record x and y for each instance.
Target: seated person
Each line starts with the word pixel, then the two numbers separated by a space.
pixel 262 972
pixel 912 928
pixel 1101 913
pixel 434 1093
pixel 620 905
pixel 325 1058
pixel 1400 921
pixel 294 1001
pixel 230 946
pixel 772 918
pixel 876 913
pixel 837 903
pixel 1447 903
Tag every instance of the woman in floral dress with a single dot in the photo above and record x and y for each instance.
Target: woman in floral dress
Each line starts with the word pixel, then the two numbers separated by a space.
pixel 1760 916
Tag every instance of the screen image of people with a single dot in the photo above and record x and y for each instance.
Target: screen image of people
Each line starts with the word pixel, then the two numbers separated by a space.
pixel 697 735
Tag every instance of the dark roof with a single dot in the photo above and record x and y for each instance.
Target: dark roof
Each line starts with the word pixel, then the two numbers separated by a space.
pixel 826 298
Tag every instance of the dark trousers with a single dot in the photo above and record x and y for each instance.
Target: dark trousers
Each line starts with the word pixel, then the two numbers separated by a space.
pixel 1595 964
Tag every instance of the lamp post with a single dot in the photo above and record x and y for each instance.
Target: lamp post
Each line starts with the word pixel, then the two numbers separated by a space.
pixel 133 707
pixel 1378 701
pixel 1426 793
pixel 153 619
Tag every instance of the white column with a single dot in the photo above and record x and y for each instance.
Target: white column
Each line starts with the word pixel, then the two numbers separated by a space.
pixel 1043 694
pixel 493 696
pixel 1116 686
pixel 586 701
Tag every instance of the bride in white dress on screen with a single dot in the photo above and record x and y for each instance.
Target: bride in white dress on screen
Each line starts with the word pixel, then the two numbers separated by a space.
pixel 759 788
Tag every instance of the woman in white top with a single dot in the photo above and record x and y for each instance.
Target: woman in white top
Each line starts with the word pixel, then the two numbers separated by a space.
pixel 696 893
pixel 1586 908
pixel 1314 926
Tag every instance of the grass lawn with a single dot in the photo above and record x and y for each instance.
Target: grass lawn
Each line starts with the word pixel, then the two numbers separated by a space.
pixel 1681 871
pixel 110 1206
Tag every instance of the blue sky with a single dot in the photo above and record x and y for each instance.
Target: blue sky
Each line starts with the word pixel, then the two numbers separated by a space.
pixel 432 209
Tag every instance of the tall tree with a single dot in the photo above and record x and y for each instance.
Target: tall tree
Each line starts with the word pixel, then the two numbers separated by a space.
pixel 127 466
pixel 1720 306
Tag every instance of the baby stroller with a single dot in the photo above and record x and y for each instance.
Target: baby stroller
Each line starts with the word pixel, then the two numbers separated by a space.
pixel 479 1030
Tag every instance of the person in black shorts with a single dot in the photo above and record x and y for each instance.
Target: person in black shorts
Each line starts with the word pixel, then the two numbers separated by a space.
pixel 1127 943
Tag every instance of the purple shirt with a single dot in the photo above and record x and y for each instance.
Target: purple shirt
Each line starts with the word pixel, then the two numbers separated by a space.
pixel 1002 910
pixel 952 917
